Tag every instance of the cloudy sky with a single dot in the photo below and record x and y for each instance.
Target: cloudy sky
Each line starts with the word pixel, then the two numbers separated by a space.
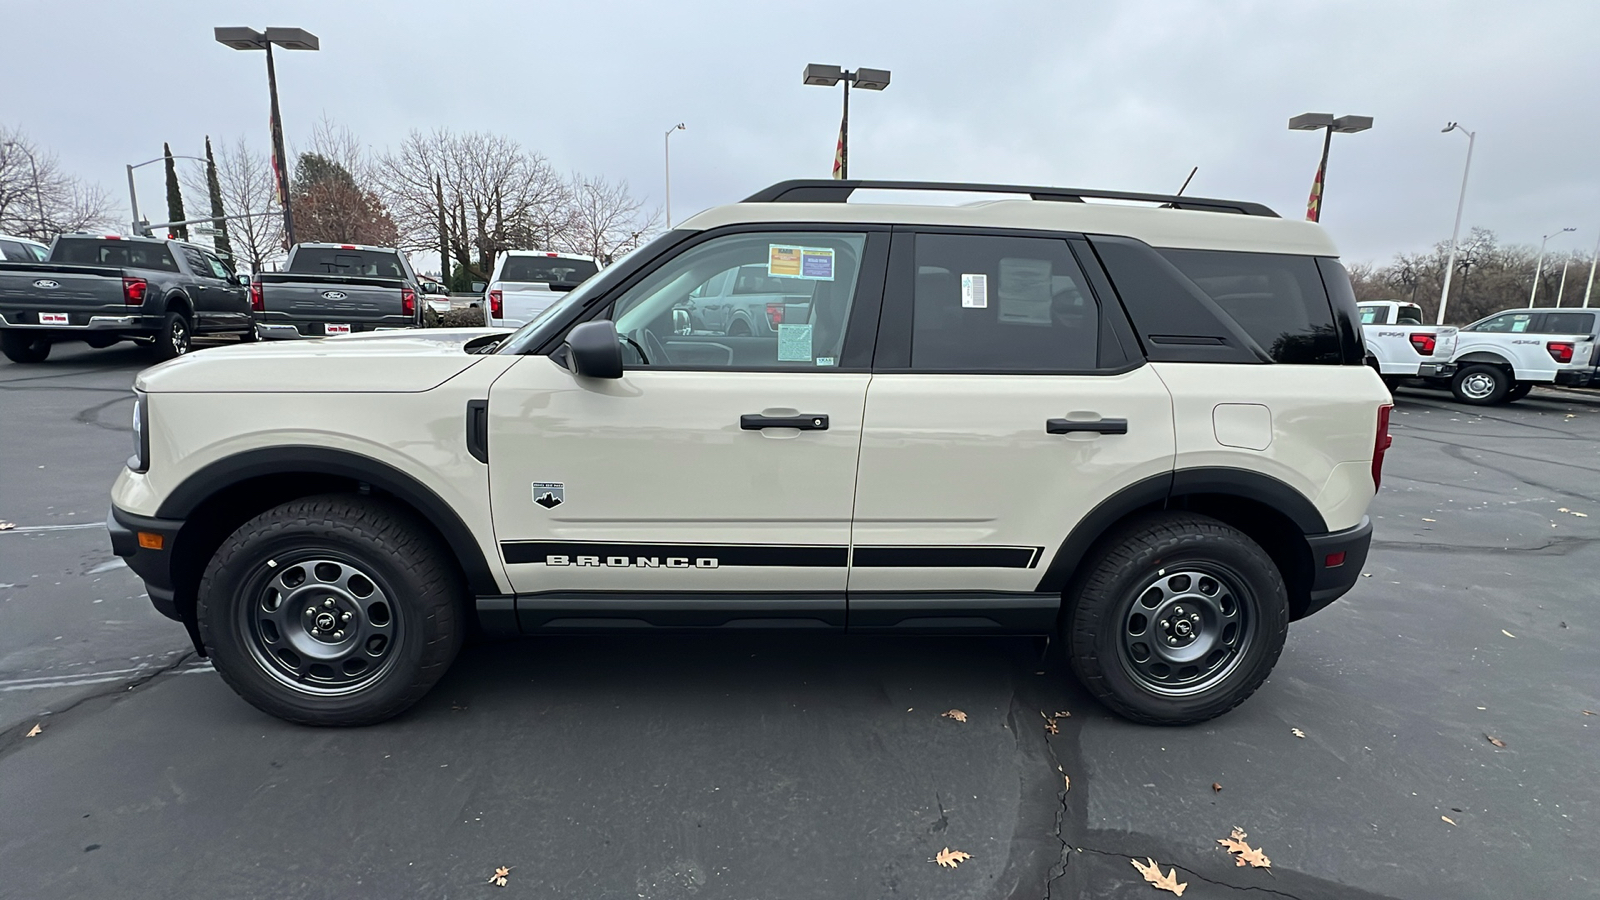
pixel 1126 95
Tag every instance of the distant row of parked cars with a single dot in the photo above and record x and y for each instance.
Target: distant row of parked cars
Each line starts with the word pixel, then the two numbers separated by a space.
pixel 107 288
pixel 1494 360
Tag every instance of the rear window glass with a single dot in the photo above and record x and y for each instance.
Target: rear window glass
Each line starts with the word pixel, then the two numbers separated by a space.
pixel 338 261
pixel 547 270
pixel 122 254
pixel 1569 323
pixel 1279 300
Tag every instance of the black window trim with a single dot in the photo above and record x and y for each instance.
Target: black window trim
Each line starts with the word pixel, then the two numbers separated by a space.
pixel 895 328
pixel 861 332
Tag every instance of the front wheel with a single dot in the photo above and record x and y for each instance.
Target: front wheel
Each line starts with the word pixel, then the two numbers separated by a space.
pixel 334 610
pixel 1481 384
pixel 23 347
pixel 1179 620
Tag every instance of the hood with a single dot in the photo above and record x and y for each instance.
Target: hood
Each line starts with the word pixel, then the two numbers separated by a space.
pixel 375 362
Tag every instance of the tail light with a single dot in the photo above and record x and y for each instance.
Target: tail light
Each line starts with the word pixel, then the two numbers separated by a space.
pixel 1424 343
pixel 257 303
pixel 1380 445
pixel 774 315
pixel 1560 351
pixel 497 304
pixel 408 302
pixel 133 291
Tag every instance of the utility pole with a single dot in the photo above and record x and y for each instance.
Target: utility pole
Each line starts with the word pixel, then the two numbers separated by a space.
pixel 1455 233
pixel 666 154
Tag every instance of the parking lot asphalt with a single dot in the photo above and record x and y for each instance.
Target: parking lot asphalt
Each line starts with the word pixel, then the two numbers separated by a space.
pixel 786 766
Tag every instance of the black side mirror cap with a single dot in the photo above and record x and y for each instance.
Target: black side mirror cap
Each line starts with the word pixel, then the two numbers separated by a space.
pixel 594 351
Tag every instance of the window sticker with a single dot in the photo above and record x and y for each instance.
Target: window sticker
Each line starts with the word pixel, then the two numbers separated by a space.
pixel 974 291
pixel 794 343
pixel 810 263
pixel 824 360
pixel 1520 324
pixel 1025 291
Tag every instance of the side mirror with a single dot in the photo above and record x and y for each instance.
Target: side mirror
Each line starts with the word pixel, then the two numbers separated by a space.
pixel 680 321
pixel 242 280
pixel 594 351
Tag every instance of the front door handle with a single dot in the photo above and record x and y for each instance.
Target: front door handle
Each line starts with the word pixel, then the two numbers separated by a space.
pixel 756 422
pixel 1099 426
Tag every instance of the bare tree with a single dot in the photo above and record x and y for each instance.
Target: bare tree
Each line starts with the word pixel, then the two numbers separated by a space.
pixel 37 198
pixel 249 186
pixel 605 218
pixel 1490 277
pixel 496 194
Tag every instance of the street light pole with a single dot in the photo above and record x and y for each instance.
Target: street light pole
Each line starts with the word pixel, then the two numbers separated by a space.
pixel 1343 125
pixel 240 38
pixel 1539 269
pixel 1450 267
pixel 133 195
pixel 666 153
pixel 38 191
pixel 828 76
pixel 1562 288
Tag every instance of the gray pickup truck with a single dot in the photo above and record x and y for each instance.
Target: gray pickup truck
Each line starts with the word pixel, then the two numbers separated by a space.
pixel 103 289
pixel 327 290
pixel 747 301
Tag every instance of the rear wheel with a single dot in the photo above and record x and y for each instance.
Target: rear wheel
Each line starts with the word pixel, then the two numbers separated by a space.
pixel 1481 384
pixel 23 347
pixel 1179 620
pixel 1518 391
pixel 173 340
pixel 738 328
pixel 334 610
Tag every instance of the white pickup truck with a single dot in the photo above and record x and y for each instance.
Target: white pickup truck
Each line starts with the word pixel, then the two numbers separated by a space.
pixel 1501 357
pixel 1400 346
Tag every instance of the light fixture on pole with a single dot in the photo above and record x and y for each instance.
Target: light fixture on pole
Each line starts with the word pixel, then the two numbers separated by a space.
pixel 1328 124
pixel 1539 269
pixel 1450 267
pixel 241 38
pixel 133 196
pixel 666 153
pixel 38 191
pixel 828 76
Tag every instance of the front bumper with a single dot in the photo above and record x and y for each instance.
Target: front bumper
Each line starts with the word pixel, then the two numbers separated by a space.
pixel 1332 580
pixel 147 544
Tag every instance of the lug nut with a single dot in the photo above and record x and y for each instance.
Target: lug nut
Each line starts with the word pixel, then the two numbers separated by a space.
pixel 1195 617
pixel 339 633
pixel 1172 640
pixel 346 617
pixel 311 610
pixel 328 603
pixel 1178 610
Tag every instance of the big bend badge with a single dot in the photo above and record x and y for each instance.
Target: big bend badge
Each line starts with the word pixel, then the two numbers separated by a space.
pixel 549 494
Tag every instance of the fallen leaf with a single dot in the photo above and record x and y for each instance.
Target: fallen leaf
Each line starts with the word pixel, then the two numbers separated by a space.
pixel 1430 520
pixel 1062 715
pixel 498 879
pixel 1066 783
pixel 35 731
pixel 949 859
pixel 7 526
pixel 1563 509
pixel 1151 870
pixel 1581 515
pixel 1507 633
pixel 1366 574
pixel 1297 732
pixel 1216 788
pixel 1495 741
pixel 1244 854
pixel 956 714
pixel 1590 712
pixel 1448 819
pixel 1050 726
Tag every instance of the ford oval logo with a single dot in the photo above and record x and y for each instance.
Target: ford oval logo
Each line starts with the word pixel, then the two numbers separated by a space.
pixel 46 284
pixel 334 295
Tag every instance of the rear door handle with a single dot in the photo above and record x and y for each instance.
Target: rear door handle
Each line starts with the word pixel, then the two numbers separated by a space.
pixel 756 422
pixel 1101 426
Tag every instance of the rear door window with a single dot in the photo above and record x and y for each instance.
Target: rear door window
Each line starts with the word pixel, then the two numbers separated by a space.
pixel 1278 299
pixel 1568 323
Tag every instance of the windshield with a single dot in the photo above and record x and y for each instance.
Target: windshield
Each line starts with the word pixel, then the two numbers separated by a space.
pixel 553 270
pixel 340 261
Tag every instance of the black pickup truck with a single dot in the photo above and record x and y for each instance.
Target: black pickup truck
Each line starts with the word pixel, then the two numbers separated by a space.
pixel 327 290
pixel 102 289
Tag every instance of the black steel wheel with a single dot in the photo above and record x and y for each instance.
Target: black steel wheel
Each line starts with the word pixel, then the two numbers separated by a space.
pixel 173 340
pixel 334 610
pixel 24 346
pixel 1178 620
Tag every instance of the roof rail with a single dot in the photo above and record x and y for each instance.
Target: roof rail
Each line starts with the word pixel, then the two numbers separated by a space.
pixel 828 190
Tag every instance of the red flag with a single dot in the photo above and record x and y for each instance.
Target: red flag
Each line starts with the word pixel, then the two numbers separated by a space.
pixel 838 154
pixel 1314 204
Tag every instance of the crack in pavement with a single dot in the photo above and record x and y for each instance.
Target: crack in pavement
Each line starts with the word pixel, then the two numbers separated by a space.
pixel 13 738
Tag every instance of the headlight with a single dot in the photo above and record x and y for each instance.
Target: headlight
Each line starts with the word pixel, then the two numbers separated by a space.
pixel 140 460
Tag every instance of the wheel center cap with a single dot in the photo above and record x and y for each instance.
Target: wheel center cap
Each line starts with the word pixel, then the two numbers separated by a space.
pixel 1182 628
pixel 326 621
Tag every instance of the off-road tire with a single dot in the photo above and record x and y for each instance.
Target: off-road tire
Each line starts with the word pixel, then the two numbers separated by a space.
pixel 23 347
pixel 1103 597
pixel 1481 384
pixel 174 338
pixel 387 541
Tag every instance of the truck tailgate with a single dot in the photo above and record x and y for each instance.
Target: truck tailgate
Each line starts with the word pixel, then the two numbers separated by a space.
pixel 320 300
pixel 27 289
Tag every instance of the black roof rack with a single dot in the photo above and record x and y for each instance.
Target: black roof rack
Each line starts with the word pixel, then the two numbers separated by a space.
pixel 828 190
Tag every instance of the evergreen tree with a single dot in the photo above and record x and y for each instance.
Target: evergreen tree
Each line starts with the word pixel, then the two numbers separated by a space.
pixel 174 196
pixel 220 238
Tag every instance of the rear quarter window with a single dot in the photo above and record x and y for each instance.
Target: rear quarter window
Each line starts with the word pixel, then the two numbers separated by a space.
pixel 1278 299
pixel 1569 323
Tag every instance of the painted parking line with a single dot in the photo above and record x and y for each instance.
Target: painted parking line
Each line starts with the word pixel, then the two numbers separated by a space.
pixel 104 677
pixel 26 529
